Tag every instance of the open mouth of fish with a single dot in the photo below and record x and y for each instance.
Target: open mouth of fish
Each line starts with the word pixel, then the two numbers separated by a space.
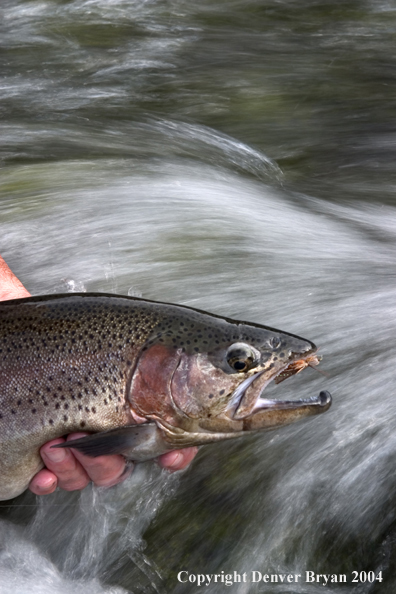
pixel 247 398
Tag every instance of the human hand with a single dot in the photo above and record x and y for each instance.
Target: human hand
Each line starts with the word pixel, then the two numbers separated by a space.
pixel 71 470
pixel 10 286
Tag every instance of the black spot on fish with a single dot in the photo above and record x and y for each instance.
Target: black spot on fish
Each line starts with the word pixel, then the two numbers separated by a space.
pixel 82 423
pixel 34 410
pixel 221 392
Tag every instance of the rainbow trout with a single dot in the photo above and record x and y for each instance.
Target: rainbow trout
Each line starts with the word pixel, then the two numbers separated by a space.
pixel 103 364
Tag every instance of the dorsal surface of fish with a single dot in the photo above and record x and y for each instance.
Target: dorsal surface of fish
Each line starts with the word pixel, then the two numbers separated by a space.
pixel 103 363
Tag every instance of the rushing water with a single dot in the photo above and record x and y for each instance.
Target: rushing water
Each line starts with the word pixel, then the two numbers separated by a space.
pixel 236 157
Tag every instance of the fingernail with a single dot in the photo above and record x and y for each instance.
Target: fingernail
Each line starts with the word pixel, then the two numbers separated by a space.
pixel 49 488
pixel 56 454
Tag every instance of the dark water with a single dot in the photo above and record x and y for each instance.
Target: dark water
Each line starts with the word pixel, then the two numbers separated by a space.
pixel 236 157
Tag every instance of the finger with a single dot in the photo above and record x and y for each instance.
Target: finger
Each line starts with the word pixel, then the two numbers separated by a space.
pixel 71 475
pixel 43 483
pixel 104 471
pixel 10 286
pixel 178 459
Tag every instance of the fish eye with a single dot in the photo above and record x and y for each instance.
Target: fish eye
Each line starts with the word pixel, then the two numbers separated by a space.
pixel 241 357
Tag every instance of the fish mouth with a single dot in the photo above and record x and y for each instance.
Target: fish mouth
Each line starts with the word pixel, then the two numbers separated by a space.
pixel 246 400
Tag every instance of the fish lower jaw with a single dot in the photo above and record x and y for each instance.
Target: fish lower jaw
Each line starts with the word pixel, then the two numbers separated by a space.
pixel 321 401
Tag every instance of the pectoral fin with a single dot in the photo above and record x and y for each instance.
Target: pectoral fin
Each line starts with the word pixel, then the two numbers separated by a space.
pixel 135 442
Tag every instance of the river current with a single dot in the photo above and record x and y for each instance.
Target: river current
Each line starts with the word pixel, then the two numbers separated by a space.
pixel 236 157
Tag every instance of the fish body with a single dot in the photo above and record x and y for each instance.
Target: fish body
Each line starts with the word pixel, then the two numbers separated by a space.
pixel 104 364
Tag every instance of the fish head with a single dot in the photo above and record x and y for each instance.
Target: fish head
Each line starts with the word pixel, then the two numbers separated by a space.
pixel 208 375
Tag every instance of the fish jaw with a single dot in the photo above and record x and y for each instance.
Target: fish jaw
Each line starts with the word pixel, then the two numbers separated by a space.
pixel 258 413
pixel 246 399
